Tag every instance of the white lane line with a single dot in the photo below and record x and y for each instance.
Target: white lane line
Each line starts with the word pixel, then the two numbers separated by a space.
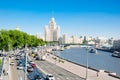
pixel 58 78
pixel 67 78
pixel 77 78
pixel 42 70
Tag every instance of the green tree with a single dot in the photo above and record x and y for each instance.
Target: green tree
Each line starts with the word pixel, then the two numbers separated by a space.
pixel 15 38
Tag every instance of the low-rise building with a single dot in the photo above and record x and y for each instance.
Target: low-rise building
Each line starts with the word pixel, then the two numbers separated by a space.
pixel 116 44
pixel 70 40
pixel 100 41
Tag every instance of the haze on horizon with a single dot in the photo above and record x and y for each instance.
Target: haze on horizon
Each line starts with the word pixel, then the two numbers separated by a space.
pixel 75 17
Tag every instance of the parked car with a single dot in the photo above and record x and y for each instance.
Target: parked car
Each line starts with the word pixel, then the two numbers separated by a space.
pixel 18 57
pixel 1 55
pixel 12 63
pixel 20 64
pixel 50 77
pixel 20 67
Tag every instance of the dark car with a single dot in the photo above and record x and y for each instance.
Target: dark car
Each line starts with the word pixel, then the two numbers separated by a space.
pixel 29 69
pixel 38 77
pixel 1 55
pixel 37 58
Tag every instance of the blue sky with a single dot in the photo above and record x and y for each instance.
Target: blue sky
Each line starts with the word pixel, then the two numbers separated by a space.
pixel 75 17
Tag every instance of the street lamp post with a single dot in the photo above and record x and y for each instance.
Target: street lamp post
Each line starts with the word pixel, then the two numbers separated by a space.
pixel 9 58
pixel 26 62
pixel 87 64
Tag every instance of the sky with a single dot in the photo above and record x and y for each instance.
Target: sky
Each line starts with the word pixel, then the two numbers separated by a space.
pixel 75 17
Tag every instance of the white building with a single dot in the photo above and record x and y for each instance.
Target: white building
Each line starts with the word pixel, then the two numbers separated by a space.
pixel 116 44
pixel 65 39
pixel 100 41
pixel 110 41
pixel 70 40
pixel 52 31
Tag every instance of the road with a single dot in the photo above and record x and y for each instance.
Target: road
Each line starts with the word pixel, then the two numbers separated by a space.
pixel 58 72
pixel 16 74
pixel 20 74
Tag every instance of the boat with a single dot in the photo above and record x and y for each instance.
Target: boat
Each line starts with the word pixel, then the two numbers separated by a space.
pixel 116 54
pixel 62 48
pixel 93 50
pixel 67 47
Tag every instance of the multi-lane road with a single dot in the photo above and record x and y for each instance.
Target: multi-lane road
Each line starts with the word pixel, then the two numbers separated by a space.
pixel 15 73
pixel 58 72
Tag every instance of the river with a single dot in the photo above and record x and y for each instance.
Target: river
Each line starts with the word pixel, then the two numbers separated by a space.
pixel 101 61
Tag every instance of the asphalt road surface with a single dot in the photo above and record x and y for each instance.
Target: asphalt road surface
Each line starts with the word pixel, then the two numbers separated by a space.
pixel 17 74
pixel 58 72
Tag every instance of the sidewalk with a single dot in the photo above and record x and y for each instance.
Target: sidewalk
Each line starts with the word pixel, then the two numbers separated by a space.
pixel 6 68
pixel 81 71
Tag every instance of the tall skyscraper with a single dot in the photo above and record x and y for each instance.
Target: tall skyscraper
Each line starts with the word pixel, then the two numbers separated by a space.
pixel 52 31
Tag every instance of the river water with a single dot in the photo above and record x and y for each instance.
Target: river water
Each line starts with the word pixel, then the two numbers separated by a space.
pixel 101 61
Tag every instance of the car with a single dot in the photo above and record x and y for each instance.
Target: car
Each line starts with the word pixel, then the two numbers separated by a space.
pixel 43 58
pixel 19 62
pixel 50 77
pixel 37 58
pixel 12 63
pixel 20 67
pixel 31 62
pixel 38 77
pixel 29 69
pixel 1 55
pixel 18 57
pixel 33 65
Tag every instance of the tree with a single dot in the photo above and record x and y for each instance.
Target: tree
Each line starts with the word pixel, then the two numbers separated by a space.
pixel 15 38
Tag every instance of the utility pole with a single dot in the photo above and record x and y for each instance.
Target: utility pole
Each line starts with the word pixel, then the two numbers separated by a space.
pixel 26 62
pixel 87 64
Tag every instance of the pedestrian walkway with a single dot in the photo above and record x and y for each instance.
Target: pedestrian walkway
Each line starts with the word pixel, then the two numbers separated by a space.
pixel 81 71
pixel 5 70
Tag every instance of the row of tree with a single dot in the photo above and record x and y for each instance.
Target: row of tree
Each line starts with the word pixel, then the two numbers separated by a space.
pixel 11 39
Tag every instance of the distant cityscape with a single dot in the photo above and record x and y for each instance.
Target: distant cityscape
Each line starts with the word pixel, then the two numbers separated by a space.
pixel 60 40
pixel 52 33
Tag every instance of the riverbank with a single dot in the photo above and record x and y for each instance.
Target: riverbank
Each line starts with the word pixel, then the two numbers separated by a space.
pixel 80 70
pixel 106 50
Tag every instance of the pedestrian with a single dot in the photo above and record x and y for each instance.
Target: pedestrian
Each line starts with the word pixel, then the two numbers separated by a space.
pixel 7 72
pixel 4 71
pixel 97 73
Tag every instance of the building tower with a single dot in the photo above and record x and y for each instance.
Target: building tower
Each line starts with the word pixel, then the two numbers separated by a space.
pixel 52 31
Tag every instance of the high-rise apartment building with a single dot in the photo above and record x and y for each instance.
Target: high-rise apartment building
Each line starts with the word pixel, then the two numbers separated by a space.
pixel 52 31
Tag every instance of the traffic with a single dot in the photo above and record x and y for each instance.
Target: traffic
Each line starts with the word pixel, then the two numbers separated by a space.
pixel 28 65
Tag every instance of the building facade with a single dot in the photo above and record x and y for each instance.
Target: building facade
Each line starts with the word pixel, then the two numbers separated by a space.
pixel 100 41
pixel 52 31
pixel 116 44
pixel 70 40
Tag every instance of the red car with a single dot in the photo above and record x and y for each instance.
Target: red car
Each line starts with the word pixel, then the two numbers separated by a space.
pixel 33 65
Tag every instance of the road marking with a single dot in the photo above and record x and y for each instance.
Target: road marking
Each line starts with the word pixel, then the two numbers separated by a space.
pixel 58 78
pixel 76 78
pixel 67 78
